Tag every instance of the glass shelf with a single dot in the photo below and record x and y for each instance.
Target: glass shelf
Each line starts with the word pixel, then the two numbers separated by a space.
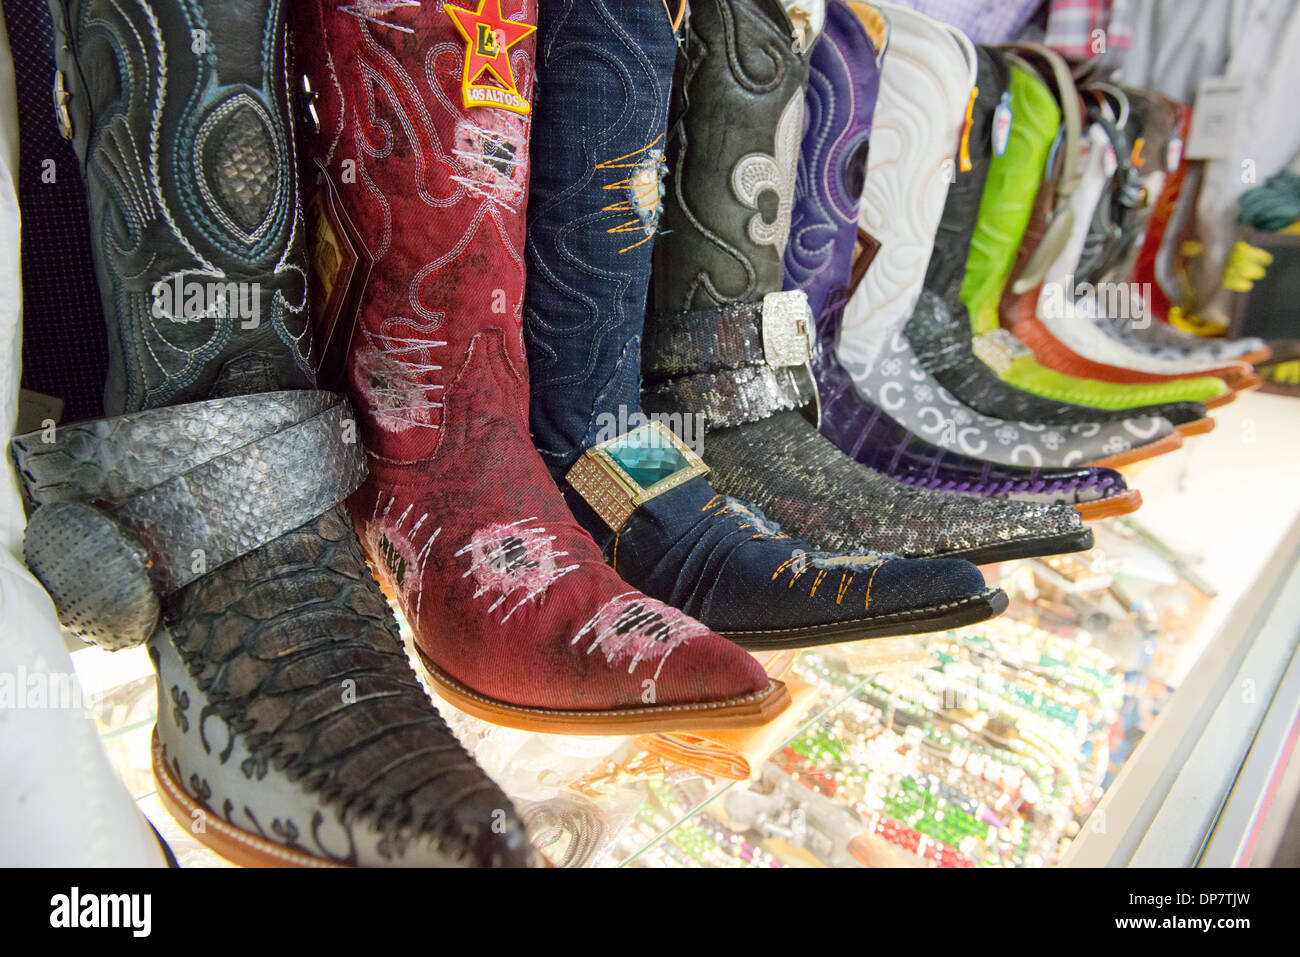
pixel 991 749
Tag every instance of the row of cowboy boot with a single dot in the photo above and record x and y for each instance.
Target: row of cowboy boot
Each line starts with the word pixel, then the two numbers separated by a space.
pixel 944 345
pixel 841 105
pixel 205 518
pixel 716 289
pixel 1151 262
pixel 1093 209
pixel 1077 336
pixel 642 492
pixel 1009 196
pixel 842 101
pixel 895 379
pixel 1159 161
pixel 565 562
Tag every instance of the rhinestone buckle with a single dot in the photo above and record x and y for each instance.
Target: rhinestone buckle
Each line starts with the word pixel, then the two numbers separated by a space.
pixel 998 349
pixel 789 332
pixel 619 476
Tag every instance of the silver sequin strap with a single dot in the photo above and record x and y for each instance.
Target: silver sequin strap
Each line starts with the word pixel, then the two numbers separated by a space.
pixel 735 363
pixel 733 397
pixel 173 493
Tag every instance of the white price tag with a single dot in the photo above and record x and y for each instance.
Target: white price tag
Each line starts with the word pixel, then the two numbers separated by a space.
pixel 1215 118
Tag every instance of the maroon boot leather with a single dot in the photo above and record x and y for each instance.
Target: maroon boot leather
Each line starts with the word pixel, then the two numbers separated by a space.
pixel 423 118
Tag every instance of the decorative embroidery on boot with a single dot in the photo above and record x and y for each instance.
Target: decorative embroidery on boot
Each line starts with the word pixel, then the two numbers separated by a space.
pixel 513 559
pixel 758 173
pixel 644 188
pixel 633 628
pixel 388 372
pixel 749 518
pixel 840 569
pixel 490 149
pixel 402 552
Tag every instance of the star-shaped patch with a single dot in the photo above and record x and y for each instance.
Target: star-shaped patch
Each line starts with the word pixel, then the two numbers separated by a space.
pixel 488 37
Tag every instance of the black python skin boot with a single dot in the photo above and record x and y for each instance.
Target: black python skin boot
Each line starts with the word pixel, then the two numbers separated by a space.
pixel 206 519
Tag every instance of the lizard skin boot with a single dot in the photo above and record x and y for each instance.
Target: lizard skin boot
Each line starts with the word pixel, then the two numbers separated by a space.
pixel 592 217
pixel 425 116
pixel 205 518
pixel 841 100
pixel 717 274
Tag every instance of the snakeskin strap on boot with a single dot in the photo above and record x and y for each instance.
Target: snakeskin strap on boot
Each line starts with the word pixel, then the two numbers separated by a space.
pixel 206 519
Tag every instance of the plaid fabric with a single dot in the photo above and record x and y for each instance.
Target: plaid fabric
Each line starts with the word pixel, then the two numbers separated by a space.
pixel 1088 28
pixel 984 21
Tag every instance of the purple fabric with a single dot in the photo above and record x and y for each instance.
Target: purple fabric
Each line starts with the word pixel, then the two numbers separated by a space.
pixel 984 21
pixel 841 101
pixel 65 341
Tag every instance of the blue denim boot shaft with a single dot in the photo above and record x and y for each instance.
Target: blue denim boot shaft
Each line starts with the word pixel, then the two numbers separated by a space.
pixel 601 117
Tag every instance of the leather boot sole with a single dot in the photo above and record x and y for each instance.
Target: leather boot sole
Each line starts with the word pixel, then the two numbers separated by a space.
pixel 749 711
pixel 1125 504
pixel 1247 383
pixel 234 844
pixel 1199 427
pixel 968 611
pixel 1078 540
pixel 1169 443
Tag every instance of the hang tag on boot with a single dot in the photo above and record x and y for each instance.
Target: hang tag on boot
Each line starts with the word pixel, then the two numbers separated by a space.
pixel 1002 117
pixel 341 266
pixel 1219 102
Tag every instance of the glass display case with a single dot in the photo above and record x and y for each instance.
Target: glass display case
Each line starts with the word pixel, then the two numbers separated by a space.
pixel 1136 705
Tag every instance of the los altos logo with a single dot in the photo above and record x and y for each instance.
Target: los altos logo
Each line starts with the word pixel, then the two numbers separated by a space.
pixel 488 79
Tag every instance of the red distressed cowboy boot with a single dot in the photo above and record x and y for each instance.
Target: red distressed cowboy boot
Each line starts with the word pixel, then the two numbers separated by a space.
pixel 423 114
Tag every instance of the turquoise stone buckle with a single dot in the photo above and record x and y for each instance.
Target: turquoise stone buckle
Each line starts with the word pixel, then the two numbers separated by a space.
pixel 617 477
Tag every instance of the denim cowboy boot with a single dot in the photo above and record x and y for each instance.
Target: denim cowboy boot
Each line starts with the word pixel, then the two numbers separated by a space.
pixel 423 145
pixel 206 519
pixel 733 157
pixel 841 100
pixel 593 213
